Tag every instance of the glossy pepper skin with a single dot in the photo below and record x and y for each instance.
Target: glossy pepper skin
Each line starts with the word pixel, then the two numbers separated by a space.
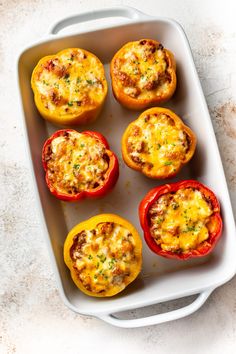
pixel 155 194
pixel 89 225
pixel 111 174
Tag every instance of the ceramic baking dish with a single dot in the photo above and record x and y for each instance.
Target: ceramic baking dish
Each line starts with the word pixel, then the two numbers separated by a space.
pixel 161 279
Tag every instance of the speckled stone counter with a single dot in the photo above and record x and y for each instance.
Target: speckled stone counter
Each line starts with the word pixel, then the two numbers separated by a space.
pixel 33 318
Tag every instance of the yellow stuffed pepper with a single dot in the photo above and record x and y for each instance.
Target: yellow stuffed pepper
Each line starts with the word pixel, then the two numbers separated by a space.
pixel 69 87
pixel 104 255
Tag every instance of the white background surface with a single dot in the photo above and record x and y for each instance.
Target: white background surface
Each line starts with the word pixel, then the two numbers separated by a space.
pixel 33 318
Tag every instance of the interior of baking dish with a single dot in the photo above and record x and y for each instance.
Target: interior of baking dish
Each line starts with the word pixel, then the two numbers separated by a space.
pixel 161 279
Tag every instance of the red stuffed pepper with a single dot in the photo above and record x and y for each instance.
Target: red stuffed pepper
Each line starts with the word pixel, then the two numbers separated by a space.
pixel 79 165
pixel 181 220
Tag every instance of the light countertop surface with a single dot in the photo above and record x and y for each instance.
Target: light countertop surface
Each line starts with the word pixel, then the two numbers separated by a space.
pixel 33 318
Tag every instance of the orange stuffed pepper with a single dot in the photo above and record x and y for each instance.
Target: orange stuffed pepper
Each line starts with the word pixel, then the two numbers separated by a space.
pixel 143 74
pixel 158 143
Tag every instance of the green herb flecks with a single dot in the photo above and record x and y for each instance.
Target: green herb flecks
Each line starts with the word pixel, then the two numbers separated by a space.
pixel 159 220
pixel 102 257
pixel 67 78
pixel 175 206
pixel 111 263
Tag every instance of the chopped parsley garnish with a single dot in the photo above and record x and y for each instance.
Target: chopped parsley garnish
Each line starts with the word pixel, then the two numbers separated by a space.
pixel 76 166
pixel 78 80
pixel 158 146
pixel 67 78
pixel 102 257
pixel 175 206
pixel 159 220
pixel 70 104
pixel 111 263
pixel 168 163
pixel 90 82
pixel 190 228
pixel 45 83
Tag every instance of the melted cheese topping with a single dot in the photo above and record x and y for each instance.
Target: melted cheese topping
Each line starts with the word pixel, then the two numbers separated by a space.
pixel 76 162
pixel 141 70
pixel 156 143
pixel 71 81
pixel 104 257
pixel 181 222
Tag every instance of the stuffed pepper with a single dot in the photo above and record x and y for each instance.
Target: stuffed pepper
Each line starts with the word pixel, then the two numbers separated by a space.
pixel 143 74
pixel 181 220
pixel 103 254
pixel 79 165
pixel 69 87
pixel 158 143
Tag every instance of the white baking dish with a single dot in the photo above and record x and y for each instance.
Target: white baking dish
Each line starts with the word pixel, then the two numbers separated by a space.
pixel 161 279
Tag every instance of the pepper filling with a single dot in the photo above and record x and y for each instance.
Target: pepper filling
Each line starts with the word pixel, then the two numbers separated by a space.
pixel 142 70
pixel 76 162
pixel 104 257
pixel 181 221
pixel 156 143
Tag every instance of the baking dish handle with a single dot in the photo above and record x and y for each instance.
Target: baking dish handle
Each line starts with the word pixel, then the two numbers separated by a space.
pixel 160 318
pixel 118 11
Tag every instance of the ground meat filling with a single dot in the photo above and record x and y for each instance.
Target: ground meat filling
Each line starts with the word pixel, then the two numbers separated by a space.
pixel 180 221
pixel 143 69
pixel 104 256
pixel 155 141
pixel 76 162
